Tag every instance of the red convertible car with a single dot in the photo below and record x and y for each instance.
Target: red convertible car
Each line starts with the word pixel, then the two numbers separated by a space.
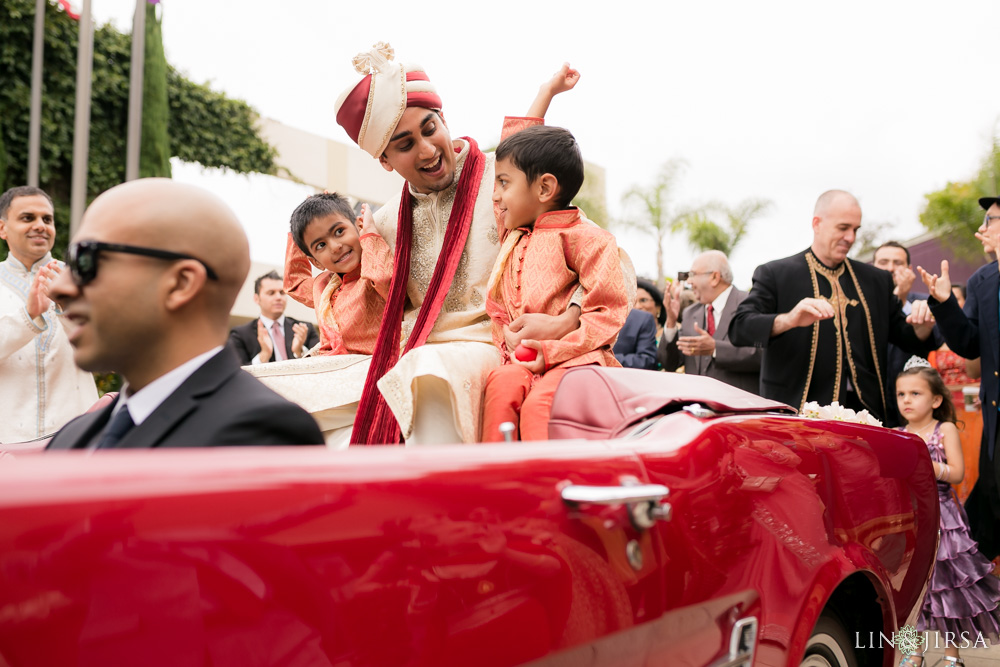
pixel 671 521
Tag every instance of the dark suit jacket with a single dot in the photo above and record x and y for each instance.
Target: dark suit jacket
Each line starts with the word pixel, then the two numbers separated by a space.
pixel 738 366
pixel 777 287
pixel 897 359
pixel 636 344
pixel 219 404
pixel 243 339
pixel 970 334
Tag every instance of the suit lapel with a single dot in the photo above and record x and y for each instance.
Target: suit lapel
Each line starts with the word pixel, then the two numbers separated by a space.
pixel 698 313
pixel 251 340
pixel 989 294
pixel 79 433
pixel 289 323
pixel 185 399
pixel 722 325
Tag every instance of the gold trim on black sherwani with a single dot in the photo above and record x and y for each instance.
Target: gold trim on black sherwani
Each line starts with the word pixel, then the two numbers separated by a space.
pixel 840 359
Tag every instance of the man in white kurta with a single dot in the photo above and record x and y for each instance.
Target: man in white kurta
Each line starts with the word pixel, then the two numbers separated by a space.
pixel 40 387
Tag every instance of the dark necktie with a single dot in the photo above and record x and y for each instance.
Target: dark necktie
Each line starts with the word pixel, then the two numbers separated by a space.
pixel 709 320
pixel 119 425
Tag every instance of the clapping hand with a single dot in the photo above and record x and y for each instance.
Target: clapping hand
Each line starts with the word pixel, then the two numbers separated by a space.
pixel 299 333
pixel 366 221
pixel 701 345
pixel 921 319
pixel 38 294
pixel 672 302
pixel 264 340
pixel 939 287
pixel 903 276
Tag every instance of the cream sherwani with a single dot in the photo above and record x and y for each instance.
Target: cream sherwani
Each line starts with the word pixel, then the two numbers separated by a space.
pixel 459 350
pixel 40 387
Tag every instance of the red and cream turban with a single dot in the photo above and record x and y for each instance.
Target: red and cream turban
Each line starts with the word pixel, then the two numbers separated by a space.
pixel 370 110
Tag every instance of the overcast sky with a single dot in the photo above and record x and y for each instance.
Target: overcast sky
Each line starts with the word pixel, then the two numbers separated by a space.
pixel 781 100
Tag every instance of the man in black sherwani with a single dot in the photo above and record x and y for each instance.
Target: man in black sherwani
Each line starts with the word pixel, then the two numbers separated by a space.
pixel 825 321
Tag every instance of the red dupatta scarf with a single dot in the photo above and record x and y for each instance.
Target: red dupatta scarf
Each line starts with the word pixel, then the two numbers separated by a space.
pixel 375 424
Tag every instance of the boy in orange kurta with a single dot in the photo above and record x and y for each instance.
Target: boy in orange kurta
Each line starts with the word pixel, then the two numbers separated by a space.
pixel 349 296
pixel 549 254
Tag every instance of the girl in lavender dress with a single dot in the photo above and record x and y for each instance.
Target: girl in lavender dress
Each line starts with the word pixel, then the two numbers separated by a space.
pixel 962 596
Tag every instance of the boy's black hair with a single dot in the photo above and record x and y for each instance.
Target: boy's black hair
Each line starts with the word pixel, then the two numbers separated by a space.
pixel 8 197
pixel 317 206
pixel 544 149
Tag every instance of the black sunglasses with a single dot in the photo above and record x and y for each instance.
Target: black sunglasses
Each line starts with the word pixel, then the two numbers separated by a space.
pixel 82 258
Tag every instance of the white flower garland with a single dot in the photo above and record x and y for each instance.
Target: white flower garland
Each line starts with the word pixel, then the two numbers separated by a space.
pixel 838 412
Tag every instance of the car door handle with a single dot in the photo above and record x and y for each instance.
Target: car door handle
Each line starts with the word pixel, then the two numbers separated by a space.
pixel 642 500
pixel 614 495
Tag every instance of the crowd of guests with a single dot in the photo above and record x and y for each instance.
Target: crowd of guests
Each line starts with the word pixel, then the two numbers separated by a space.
pixel 475 289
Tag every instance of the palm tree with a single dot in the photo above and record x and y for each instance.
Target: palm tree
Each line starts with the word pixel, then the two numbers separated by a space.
pixel 704 233
pixel 658 216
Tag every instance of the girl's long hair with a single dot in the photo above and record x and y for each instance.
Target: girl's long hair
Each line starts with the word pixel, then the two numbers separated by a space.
pixel 946 411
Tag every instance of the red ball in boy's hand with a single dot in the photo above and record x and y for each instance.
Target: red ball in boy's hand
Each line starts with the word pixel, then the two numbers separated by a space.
pixel 523 353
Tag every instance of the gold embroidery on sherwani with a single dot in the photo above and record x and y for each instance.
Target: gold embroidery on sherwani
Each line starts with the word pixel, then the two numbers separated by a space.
pixel 838 299
pixel 455 301
pixel 535 273
pixel 871 337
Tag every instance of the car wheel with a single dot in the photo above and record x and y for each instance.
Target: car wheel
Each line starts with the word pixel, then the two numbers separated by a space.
pixel 829 645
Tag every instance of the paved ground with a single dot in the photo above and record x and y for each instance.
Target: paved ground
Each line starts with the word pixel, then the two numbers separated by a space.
pixel 974 657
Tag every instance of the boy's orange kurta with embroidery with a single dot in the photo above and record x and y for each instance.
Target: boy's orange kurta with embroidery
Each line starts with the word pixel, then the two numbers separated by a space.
pixel 562 260
pixel 349 308
pixel 540 269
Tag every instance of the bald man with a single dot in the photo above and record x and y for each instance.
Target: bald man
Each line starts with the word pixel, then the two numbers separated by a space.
pixel 825 321
pixel 153 273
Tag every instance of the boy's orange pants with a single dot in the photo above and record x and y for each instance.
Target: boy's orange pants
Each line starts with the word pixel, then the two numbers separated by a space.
pixel 514 395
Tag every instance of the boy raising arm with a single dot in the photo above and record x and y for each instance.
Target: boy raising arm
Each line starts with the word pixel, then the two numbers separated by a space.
pixel 549 258
pixel 349 296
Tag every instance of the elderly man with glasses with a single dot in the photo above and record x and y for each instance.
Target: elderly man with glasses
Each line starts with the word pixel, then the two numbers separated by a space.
pixel 974 331
pixel 40 386
pixel 153 274
pixel 702 342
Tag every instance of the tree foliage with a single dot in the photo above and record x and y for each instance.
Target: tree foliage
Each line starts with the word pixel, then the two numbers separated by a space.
pixel 204 126
pixel 154 153
pixel 870 237
pixel 713 226
pixel 954 212
pixel 653 211
pixel 590 201
pixel 705 233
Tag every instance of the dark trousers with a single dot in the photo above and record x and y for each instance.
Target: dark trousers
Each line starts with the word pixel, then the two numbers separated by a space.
pixel 983 504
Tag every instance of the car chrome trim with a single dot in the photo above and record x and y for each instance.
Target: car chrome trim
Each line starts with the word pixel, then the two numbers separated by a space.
pixel 742 644
pixel 614 495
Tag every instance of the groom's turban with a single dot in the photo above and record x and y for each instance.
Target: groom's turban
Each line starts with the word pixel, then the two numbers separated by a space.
pixel 370 110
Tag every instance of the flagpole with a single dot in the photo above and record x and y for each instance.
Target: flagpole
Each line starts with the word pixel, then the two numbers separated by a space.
pixel 35 125
pixel 81 131
pixel 134 140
